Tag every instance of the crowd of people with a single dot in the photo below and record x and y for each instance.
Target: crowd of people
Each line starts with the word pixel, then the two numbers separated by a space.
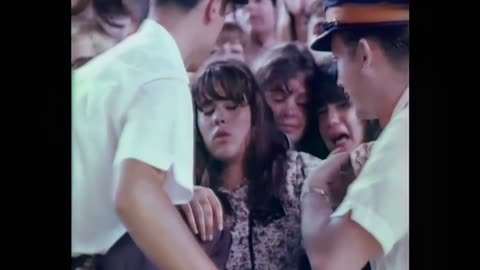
pixel 292 167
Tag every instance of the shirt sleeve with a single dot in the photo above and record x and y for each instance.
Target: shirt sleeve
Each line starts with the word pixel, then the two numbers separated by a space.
pixel 379 198
pixel 150 133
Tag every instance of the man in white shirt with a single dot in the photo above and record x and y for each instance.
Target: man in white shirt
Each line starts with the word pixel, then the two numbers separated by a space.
pixel 370 41
pixel 132 139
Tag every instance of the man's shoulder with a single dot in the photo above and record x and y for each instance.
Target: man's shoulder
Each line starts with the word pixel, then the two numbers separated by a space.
pixel 153 49
pixel 397 130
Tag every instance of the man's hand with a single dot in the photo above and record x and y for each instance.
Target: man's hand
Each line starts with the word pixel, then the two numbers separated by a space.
pixel 349 170
pixel 203 211
pixel 327 173
pixel 328 239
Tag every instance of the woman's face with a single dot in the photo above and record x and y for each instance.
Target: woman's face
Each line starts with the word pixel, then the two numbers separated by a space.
pixel 261 15
pixel 93 34
pixel 87 42
pixel 226 51
pixel 340 126
pixel 225 129
pixel 289 108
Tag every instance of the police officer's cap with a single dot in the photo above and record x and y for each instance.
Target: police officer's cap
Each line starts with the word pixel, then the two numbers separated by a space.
pixel 358 14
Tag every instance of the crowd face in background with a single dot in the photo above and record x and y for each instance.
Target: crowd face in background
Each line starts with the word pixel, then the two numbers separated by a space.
pixel 230 44
pixel 288 104
pixel 98 25
pixel 286 77
pixel 340 127
pixel 261 14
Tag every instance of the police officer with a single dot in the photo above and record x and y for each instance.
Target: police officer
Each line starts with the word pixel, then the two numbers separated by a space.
pixel 370 42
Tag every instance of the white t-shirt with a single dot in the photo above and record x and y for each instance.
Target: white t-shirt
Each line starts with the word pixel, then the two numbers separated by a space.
pixel 379 198
pixel 133 101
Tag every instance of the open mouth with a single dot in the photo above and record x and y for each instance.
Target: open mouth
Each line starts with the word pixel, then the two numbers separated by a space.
pixel 340 139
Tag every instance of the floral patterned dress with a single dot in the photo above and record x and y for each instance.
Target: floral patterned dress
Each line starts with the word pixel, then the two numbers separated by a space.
pixel 276 245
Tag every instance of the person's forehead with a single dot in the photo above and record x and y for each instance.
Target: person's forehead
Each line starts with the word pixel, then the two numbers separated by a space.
pixel 230 37
pixel 297 85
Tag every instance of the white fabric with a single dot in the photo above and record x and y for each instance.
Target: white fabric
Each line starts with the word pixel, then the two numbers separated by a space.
pixel 379 198
pixel 133 101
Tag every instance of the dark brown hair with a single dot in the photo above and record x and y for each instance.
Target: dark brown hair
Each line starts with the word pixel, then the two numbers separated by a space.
pixel 283 63
pixel 265 158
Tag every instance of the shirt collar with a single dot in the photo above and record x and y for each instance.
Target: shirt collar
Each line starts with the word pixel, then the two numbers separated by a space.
pixel 402 102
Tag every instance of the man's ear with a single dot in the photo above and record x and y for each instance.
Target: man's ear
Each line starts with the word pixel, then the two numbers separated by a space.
pixel 365 51
pixel 213 10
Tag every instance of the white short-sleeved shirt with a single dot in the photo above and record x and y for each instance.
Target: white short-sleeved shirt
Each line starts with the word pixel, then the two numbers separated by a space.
pixel 133 101
pixel 379 198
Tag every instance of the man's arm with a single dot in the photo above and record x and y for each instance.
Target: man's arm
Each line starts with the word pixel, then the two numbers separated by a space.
pixel 152 221
pixel 148 147
pixel 373 216
pixel 337 243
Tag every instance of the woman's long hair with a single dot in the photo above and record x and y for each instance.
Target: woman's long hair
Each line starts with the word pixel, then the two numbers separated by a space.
pixel 266 154
pixel 283 63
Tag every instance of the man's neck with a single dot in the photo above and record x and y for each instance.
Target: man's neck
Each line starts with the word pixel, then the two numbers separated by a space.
pixel 398 83
pixel 173 21
pixel 232 176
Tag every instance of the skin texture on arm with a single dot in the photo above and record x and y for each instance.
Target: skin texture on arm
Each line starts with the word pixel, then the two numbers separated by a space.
pixel 152 220
pixel 333 243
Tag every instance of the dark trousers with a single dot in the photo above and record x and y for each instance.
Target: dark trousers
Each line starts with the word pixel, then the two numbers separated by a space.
pixel 125 255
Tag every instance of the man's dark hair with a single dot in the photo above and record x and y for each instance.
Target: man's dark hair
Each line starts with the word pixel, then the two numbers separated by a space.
pixel 394 40
pixel 136 9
